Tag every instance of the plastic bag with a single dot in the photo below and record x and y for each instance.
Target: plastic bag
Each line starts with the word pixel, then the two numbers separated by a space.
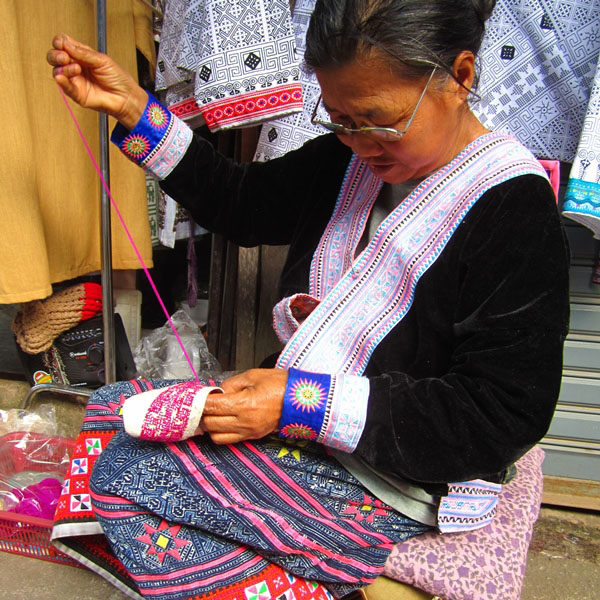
pixel 32 468
pixel 42 420
pixel 36 500
pixel 159 354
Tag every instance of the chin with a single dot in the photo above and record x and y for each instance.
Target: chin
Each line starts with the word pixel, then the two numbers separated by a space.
pixel 391 173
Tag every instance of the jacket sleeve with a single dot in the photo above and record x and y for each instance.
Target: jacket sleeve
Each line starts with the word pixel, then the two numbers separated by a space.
pixel 508 320
pixel 259 202
pixel 249 203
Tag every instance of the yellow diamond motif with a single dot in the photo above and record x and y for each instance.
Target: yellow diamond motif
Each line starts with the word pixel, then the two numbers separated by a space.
pixel 366 507
pixel 162 541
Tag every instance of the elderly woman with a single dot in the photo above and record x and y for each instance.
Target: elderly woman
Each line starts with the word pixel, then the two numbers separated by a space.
pixel 424 305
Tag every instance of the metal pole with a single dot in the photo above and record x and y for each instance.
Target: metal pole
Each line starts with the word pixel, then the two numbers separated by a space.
pixel 105 227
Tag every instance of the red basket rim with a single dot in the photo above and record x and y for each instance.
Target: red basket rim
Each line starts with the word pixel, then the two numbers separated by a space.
pixel 19 518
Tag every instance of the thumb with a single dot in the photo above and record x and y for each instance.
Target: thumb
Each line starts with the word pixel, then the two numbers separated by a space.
pixel 77 51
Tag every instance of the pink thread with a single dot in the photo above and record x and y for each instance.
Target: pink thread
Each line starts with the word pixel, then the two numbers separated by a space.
pixel 118 212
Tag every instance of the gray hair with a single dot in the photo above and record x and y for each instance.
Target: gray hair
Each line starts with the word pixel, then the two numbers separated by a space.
pixel 415 35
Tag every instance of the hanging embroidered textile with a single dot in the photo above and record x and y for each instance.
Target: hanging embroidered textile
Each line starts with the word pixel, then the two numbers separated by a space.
pixel 281 135
pixel 233 63
pixel 195 520
pixel 582 198
pixel 354 302
pixel 539 64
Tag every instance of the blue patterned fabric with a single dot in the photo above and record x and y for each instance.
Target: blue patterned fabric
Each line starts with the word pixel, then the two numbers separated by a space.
pixel 192 518
pixel 157 142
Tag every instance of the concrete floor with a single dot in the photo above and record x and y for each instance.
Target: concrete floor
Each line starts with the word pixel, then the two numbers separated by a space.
pixel 563 562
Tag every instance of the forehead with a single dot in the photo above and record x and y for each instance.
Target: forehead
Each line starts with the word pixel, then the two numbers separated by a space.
pixel 364 87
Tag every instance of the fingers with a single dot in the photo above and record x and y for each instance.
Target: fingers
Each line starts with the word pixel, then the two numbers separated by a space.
pixel 226 438
pixel 221 404
pixel 240 416
pixel 72 56
pixel 58 58
pixel 64 69
pixel 64 75
pixel 250 408
pixel 220 424
pixel 67 59
pixel 75 49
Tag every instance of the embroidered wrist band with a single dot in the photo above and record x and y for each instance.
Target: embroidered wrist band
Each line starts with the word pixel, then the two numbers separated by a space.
pixel 329 409
pixel 304 406
pixel 157 142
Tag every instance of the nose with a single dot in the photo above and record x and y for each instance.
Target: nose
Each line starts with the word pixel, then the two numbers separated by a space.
pixel 363 145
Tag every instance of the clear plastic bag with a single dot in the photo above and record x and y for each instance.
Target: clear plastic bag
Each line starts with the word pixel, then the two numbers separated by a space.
pixel 32 468
pixel 42 420
pixel 160 356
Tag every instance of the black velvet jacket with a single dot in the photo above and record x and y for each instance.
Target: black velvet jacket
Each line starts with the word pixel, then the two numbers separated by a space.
pixel 467 382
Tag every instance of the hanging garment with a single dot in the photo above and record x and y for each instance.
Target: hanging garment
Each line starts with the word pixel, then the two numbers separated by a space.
pixel 250 520
pixel 582 198
pixel 232 63
pixel 539 63
pixel 281 135
pixel 50 226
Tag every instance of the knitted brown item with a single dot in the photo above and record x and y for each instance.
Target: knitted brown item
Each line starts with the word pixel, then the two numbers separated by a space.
pixel 37 324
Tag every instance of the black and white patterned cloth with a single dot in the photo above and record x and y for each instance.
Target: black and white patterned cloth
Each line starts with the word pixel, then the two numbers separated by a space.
pixel 540 82
pixel 233 62
pixel 288 133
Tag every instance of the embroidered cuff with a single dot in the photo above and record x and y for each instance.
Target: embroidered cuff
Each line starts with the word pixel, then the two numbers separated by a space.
pixel 468 505
pixel 290 312
pixel 330 409
pixel 157 142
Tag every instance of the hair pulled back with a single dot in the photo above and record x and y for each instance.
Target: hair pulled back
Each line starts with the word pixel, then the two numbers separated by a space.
pixel 415 34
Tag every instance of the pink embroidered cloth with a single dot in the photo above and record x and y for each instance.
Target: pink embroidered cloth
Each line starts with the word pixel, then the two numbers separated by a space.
pixel 485 564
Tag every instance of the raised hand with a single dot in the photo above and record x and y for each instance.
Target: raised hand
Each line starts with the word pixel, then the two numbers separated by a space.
pixel 95 81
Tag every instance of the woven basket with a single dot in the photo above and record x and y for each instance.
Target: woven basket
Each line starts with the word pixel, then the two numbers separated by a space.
pixel 22 534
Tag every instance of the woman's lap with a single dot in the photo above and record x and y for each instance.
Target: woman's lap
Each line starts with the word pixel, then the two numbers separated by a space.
pixel 198 514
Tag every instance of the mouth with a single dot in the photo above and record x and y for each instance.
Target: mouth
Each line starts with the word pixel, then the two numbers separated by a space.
pixel 381 168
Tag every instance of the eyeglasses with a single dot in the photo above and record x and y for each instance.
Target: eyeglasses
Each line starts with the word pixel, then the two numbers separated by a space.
pixel 380 134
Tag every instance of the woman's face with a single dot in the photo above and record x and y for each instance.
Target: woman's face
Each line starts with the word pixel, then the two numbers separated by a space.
pixel 368 93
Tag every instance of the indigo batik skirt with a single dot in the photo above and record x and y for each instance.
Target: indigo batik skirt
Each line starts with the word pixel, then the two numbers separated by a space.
pixel 254 520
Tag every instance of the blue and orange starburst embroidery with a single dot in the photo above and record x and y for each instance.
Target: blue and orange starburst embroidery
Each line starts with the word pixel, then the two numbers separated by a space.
pixel 307 395
pixel 157 116
pixel 135 145
pixel 298 431
pixel 163 541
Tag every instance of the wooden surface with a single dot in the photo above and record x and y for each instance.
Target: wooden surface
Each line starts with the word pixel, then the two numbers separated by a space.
pixel 246 307
pixel 388 589
pixel 574 493
pixel 271 264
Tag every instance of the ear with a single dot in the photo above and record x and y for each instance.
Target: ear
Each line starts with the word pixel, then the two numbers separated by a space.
pixel 464 71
